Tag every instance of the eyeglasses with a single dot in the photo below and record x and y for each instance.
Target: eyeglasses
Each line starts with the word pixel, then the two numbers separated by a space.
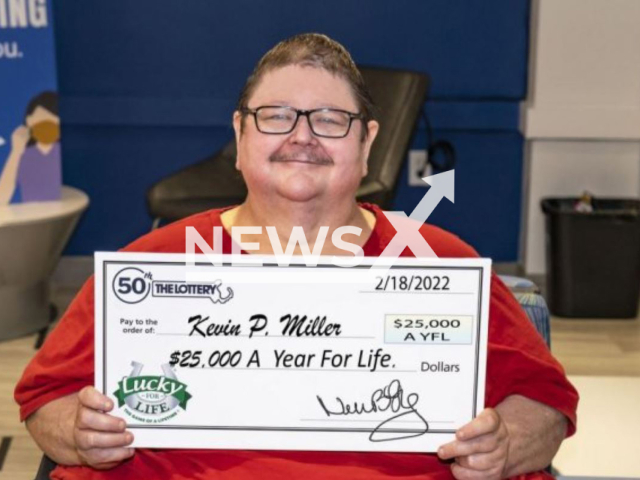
pixel 324 122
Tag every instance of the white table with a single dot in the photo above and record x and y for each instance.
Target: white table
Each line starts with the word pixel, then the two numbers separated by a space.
pixel 32 237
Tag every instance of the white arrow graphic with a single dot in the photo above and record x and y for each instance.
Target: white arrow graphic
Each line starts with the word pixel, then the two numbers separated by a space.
pixel 407 228
pixel 442 185
pixel 2 141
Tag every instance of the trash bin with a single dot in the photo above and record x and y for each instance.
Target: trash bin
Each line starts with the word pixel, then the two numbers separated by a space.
pixel 593 259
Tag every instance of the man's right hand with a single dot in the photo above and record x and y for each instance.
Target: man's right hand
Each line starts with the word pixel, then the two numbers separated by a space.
pixel 101 439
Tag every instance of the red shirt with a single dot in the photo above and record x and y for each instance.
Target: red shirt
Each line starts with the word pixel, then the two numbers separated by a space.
pixel 518 362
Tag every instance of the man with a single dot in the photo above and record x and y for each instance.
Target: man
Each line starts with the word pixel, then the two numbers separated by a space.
pixel 304 129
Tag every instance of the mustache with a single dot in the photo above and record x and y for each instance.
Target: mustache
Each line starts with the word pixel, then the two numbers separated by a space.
pixel 305 156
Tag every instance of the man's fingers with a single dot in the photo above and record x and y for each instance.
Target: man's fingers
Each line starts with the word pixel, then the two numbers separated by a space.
pixel 484 444
pixel 482 461
pixel 100 438
pixel 92 398
pixel 482 456
pixel 90 439
pixel 488 421
pixel 88 419
pixel 90 416
pixel 104 458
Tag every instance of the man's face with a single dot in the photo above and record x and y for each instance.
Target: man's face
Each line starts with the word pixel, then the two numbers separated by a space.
pixel 300 166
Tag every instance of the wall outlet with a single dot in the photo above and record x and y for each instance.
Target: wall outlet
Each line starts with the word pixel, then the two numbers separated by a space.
pixel 417 161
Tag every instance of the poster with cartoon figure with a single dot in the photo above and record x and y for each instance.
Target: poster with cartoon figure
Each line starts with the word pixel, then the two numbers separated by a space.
pixel 30 156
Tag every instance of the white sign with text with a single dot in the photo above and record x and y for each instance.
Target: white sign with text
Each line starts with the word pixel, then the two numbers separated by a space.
pixel 291 358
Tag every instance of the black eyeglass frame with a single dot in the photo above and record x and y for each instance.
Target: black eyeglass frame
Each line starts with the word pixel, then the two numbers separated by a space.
pixel 301 113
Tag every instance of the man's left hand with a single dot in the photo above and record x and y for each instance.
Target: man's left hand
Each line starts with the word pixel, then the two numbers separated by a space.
pixel 481 448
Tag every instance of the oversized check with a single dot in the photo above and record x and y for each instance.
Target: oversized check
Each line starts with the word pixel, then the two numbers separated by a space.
pixel 249 356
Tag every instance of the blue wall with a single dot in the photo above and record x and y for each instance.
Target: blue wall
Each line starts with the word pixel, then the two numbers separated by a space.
pixel 149 86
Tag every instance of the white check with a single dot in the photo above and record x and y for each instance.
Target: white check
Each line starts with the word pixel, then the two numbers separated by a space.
pixel 291 358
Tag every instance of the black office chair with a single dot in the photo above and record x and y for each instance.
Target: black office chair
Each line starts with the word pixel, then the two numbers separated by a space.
pixel 46 467
pixel 214 182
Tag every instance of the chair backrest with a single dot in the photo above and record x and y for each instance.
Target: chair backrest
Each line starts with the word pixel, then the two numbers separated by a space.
pixel 46 467
pixel 399 96
pixel 211 183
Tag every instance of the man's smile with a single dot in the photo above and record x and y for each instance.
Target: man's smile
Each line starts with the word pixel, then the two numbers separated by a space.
pixel 307 159
pixel 303 161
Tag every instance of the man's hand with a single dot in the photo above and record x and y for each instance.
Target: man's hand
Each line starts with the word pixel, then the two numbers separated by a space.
pixel 481 448
pixel 77 430
pixel 100 438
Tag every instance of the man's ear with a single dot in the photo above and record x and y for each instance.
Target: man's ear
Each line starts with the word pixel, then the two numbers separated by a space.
pixel 237 128
pixel 372 127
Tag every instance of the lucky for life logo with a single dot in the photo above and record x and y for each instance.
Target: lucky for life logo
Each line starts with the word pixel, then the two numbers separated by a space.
pixel 132 285
pixel 152 398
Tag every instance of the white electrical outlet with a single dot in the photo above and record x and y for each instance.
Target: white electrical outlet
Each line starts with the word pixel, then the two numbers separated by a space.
pixel 417 161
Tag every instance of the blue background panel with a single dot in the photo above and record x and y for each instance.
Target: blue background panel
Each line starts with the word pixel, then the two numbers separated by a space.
pixel 473 49
pixel 149 87
pixel 117 165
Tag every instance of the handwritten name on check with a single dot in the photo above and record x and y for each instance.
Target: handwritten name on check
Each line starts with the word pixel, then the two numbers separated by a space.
pixel 247 356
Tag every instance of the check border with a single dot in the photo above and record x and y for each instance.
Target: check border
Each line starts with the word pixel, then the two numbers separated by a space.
pixel 105 263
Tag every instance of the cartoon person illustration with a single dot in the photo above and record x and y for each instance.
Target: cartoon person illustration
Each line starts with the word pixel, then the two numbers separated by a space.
pixel 34 165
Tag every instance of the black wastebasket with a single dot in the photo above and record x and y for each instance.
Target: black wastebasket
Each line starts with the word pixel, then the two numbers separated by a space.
pixel 593 259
